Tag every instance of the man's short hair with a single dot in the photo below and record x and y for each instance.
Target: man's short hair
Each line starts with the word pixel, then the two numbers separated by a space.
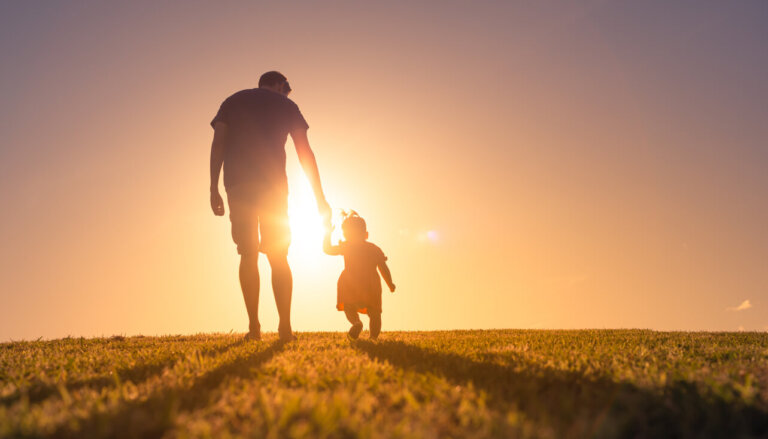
pixel 271 78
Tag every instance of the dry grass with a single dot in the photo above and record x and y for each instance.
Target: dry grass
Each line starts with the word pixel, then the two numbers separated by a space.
pixel 463 384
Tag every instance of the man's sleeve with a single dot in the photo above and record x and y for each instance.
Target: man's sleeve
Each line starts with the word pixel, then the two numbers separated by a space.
pixel 296 120
pixel 223 114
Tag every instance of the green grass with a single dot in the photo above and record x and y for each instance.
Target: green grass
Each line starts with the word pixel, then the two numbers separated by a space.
pixel 463 384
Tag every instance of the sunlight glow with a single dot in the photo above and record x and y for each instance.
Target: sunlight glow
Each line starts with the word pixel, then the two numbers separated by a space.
pixel 430 236
pixel 306 223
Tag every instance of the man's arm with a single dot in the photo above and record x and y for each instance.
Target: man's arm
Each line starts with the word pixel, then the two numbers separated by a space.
pixel 217 159
pixel 309 164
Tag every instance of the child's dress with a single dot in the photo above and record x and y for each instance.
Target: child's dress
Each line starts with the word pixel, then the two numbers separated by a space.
pixel 359 285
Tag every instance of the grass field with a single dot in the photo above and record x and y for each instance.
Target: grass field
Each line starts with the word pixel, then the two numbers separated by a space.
pixel 463 384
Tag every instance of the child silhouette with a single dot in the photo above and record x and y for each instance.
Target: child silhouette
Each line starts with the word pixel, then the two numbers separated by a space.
pixel 359 286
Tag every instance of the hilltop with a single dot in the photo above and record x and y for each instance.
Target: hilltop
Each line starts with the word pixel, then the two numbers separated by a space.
pixel 501 383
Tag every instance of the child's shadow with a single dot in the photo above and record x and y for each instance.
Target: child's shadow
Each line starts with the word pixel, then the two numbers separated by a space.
pixel 575 405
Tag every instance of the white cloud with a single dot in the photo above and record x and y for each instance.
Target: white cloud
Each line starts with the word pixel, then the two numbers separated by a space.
pixel 744 305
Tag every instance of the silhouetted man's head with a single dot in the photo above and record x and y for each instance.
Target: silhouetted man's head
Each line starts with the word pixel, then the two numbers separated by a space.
pixel 276 82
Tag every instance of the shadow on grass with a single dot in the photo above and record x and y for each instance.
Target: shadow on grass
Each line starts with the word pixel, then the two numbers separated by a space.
pixel 155 415
pixel 39 391
pixel 575 405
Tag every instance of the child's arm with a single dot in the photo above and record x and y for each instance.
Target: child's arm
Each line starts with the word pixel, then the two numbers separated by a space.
pixel 386 275
pixel 329 249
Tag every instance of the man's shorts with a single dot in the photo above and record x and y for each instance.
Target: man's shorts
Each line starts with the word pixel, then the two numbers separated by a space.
pixel 259 220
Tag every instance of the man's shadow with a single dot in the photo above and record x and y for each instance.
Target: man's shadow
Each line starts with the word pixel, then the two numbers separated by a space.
pixel 576 405
pixel 39 391
pixel 153 416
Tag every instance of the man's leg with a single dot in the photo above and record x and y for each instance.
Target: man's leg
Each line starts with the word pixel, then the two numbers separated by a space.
pixel 245 224
pixel 282 286
pixel 249 283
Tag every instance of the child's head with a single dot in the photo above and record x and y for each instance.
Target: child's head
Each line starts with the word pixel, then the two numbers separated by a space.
pixel 353 227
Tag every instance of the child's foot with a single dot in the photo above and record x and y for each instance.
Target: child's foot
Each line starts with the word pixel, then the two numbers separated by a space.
pixel 355 331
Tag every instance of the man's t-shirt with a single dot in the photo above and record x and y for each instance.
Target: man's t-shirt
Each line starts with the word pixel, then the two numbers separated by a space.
pixel 258 122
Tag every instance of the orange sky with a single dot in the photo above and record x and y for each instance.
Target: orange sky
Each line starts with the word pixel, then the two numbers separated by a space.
pixel 522 165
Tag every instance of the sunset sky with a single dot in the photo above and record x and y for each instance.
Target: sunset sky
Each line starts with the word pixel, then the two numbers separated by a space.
pixel 524 164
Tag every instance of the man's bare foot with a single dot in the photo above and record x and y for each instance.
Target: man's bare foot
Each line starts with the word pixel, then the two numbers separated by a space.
pixel 286 335
pixel 252 336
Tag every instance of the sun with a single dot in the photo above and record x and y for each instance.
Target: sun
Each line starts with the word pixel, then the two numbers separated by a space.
pixel 306 223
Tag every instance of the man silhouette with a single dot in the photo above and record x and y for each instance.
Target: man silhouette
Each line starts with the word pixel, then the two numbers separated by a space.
pixel 250 131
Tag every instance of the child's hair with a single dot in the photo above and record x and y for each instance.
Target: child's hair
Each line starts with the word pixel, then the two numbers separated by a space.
pixel 352 223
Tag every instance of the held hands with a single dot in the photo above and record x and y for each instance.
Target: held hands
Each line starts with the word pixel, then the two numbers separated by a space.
pixel 217 203
pixel 327 224
pixel 323 208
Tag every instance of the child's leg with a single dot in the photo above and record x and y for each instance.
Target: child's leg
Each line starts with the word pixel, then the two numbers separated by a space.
pixel 354 318
pixel 375 324
pixel 352 315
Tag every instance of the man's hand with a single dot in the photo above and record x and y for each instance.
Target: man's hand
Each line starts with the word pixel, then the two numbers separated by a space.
pixel 217 203
pixel 324 209
pixel 391 288
pixel 327 223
